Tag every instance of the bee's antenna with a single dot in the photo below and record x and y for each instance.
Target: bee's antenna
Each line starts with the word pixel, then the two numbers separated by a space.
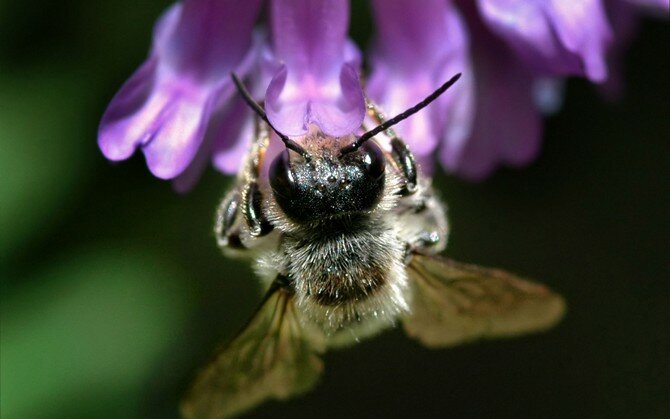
pixel 289 143
pixel 401 116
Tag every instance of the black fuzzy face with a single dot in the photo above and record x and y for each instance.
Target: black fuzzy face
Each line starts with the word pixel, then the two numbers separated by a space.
pixel 328 185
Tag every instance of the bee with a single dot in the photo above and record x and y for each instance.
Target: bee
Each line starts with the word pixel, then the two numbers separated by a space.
pixel 346 233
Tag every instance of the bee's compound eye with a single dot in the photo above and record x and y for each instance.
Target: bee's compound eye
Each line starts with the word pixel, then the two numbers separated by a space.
pixel 282 179
pixel 374 162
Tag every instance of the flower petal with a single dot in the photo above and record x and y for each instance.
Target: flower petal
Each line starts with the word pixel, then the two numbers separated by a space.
pixel 408 29
pixel 508 130
pixel 314 84
pixel 414 54
pixel 309 35
pixel 285 105
pixel 226 142
pixel 232 137
pixel 190 176
pixel 179 131
pixel 127 121
pixel 212 36
pixel 584 30
pixel 343 112
pixel 166 105
pixel 507 127
pixel 555 37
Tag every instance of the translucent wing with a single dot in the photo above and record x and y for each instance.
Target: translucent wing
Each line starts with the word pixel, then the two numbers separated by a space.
pixel 455 303
pixel 273 357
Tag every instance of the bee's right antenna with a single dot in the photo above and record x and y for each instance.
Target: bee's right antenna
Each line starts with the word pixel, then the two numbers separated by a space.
pixel 289 143
pixel 401 116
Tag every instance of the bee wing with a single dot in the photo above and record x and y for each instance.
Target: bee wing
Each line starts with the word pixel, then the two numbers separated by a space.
pixel 455 303
pixel 275 356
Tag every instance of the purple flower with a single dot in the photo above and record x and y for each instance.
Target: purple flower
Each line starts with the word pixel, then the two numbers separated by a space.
pixel 315 68
pixel 166 107
pixel 181 109
pixel 507 124
pixel 513 54
pixel 412 54
pixel 555 37
pixel 489 117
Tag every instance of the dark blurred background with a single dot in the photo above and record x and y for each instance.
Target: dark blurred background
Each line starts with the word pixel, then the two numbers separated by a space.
pixel 113 290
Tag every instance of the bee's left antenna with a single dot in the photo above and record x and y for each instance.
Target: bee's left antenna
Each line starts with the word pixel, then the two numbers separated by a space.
pixel 289 143
pixel 401 116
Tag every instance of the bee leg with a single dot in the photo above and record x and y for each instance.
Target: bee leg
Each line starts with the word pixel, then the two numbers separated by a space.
pixel 253 212
pixel 246 198
pixel 425 242
pixel 251 202
pixel 404 161
pixel 402 157
pixel 227 235
pixel 425 227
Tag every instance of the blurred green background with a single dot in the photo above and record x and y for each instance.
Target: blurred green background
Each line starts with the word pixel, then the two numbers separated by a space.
pixel 113 290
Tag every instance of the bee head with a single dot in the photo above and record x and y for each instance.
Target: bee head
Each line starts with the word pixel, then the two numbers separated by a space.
pixel 328 184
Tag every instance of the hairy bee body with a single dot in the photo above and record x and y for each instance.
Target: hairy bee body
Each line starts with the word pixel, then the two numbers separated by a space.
pixel 345 268
pixel 345 232
pixel 343 272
